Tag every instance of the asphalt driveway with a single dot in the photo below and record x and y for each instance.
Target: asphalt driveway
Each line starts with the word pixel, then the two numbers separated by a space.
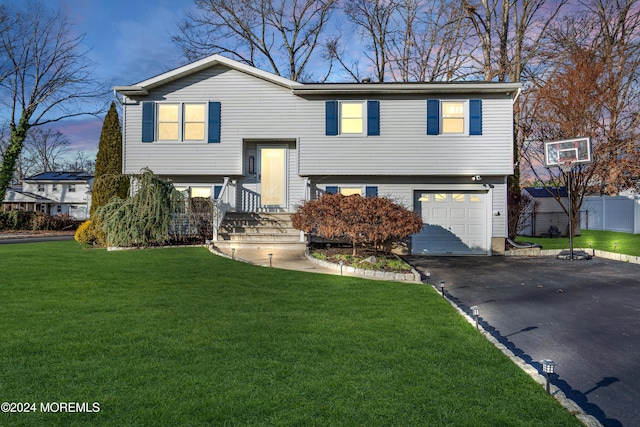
pixel 584 315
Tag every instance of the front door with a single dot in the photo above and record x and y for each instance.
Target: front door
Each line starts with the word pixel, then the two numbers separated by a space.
pixel 273 178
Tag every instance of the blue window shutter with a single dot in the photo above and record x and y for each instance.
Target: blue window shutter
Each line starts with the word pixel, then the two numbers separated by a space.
pixel 373 117
pixel 331 123
pixel 371 191
pixel 148 121
pixel 216 191
pixel 214 122
pixel 475 117
pixel 331 189
pixel 433 117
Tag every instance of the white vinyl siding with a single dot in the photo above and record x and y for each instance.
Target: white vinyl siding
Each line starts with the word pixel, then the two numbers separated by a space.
pixel 404 148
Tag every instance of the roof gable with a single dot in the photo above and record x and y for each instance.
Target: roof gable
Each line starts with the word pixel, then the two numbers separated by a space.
pixel 143 87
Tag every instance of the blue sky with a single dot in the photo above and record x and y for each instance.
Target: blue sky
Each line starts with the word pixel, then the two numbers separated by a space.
pixel 129 40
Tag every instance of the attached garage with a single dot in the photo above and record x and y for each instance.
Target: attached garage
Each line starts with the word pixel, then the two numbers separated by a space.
pixel 455 223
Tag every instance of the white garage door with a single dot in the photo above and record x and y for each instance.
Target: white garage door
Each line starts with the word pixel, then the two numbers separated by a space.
pixel 455 223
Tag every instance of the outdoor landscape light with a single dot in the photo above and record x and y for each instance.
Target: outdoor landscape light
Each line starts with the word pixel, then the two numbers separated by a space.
pixel 615 246
pixel 476 312
pixel 341 264
pixel 548 367
pixel 270 258
pixel 442 287
pixel 428 274
pixel 233 253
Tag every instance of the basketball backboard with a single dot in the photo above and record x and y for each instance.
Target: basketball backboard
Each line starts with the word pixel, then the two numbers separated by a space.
pixel 577 150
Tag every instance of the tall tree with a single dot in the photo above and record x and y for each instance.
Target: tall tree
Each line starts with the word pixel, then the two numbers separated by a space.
pixel 109 162
pixel 46 74
pixel 280 36
pixel 568 105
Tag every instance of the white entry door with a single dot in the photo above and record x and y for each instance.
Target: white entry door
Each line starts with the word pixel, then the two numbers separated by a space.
pixel 273 178
pixel 455 223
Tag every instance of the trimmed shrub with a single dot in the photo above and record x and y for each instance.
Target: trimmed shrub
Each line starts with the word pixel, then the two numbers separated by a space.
pixel 83 233
pixel 370 220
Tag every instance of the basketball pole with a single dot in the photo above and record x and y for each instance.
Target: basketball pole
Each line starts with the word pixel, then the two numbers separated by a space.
pixel 569 176
pixel 567 167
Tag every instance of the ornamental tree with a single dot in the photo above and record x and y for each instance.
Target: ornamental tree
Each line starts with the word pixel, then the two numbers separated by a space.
pixel 369 220
pixel 109 162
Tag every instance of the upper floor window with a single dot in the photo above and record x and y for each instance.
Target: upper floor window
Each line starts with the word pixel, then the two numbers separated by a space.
pixel 54 187
pixel 170 119
pixel 40 187
pixel 181 122
pixel 168 122
pixel 72 188
pixel 352 118
pixel 194 122
pixel 454 117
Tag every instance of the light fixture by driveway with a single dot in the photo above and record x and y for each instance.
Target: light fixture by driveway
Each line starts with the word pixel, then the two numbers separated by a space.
pixel 548 367
pixel 442 287
pixel 341 264
pixel 233 253
pixel 476 312
pixel 270 258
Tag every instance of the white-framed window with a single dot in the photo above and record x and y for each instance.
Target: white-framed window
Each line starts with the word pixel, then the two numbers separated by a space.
pixel 40 188
pixel 453 117
pixel 181 122
pixel 72 188
pixel 54 187
pixel 194 122
pixel 168 119
pixel 352 117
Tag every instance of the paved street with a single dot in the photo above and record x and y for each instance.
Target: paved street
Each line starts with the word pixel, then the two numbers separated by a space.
pixel 584 315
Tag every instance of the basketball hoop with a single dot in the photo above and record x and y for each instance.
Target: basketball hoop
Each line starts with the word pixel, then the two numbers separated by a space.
pixel 566 165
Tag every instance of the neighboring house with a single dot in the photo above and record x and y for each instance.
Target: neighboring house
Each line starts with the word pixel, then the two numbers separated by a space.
pixel 263 143
pixel 53 193
pixel 548 217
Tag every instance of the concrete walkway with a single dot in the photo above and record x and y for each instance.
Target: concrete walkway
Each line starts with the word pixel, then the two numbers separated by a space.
pixel 295 259
pixel 280 258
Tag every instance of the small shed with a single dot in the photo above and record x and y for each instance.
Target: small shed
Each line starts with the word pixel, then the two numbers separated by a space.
pixel 548 217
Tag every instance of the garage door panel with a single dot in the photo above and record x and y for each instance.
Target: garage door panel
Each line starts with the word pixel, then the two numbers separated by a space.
pixel 457 213
pixel 439 213
pixel 476 213
pixel 455 223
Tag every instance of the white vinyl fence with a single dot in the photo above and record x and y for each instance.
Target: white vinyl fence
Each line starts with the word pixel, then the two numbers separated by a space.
pixel 611 213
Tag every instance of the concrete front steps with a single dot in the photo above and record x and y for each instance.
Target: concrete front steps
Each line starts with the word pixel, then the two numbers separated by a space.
pixel 259 230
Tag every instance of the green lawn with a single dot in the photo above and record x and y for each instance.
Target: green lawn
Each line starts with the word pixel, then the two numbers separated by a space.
pixel 609 241
pixel 169 337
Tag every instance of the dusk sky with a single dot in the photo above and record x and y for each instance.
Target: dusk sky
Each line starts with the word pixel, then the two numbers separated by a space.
pixel 129 42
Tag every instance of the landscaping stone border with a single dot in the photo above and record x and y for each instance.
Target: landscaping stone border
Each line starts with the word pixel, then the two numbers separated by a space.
pixel 596 253
pixel 414 276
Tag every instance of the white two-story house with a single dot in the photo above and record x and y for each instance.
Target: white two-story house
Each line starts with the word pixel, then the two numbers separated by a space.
pixel 53 193
pixel 266 143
